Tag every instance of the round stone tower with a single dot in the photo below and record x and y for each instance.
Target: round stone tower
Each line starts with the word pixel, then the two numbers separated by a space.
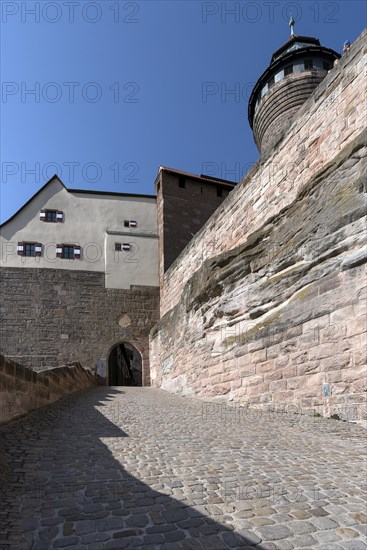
pixel 295 70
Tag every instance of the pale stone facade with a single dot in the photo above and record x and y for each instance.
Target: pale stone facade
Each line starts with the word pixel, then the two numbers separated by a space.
pixel 96 222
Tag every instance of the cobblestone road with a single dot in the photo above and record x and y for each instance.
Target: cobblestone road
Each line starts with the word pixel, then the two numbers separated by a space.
pixel 141 468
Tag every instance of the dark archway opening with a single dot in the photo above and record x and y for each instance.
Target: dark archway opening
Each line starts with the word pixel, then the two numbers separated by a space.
pixel 124 366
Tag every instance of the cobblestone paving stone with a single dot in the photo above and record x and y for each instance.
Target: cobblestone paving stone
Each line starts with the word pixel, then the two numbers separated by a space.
pixel 141 468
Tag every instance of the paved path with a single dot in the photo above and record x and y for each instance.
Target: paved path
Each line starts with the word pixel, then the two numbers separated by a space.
pixel 141 468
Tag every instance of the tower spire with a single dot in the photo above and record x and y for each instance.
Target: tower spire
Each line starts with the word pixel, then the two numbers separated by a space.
pixel 291 24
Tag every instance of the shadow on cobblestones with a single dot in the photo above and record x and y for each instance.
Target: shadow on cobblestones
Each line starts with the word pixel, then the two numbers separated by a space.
pixel 64 483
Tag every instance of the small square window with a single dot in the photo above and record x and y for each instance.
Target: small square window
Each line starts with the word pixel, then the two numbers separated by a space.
pixel 308 64
pixel 130 223
pixel 68 252
pixel 288 70
pixel 50 215
pixel 29 249
pixel 122 246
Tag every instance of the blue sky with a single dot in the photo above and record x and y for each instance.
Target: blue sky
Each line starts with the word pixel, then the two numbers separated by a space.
pixel 122 87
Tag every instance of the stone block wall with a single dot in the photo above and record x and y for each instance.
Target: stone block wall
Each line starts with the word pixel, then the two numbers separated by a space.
pixel 329 120
pixel 51 317
pixel 273 312
pixel 23 390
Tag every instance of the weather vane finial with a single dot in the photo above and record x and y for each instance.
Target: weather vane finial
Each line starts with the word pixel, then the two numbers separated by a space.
pixel 291 24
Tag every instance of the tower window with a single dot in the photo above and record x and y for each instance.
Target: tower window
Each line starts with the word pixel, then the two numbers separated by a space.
pixel 288 70
pixel 181 181
pixel 264 90
pixel 271 82
pixel 326 65
pixel 308 64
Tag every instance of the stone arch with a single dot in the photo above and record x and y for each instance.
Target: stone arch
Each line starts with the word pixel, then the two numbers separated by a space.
pixel 124 365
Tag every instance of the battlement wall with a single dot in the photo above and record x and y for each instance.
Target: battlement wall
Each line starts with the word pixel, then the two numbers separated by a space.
pixel 23 390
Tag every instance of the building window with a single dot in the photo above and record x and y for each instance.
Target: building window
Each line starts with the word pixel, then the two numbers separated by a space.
pixel 122 246
pixel 130 223
pixel 288 70
pixel 68 251
pixel 51 216
pixel 271 82
pixel 29 249
pixel 181 181
pixel 308 63
pixel 326 65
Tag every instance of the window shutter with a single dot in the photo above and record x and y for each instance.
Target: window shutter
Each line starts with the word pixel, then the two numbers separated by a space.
pixel 43 215
pixel 59 251
pixel 77 252
pixel 126 246
pixel 38 249
pixel 20 249
pixel 59 216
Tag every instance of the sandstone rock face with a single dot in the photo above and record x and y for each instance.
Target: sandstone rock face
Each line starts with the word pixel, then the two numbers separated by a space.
pixel 271 310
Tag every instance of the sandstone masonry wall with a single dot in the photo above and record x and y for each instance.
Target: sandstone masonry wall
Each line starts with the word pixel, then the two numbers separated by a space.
pixel 22 390
pixel 51 317
pixel 331 119
pixel 272 313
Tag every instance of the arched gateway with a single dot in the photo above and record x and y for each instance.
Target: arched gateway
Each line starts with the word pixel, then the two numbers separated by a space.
pixel 124 366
